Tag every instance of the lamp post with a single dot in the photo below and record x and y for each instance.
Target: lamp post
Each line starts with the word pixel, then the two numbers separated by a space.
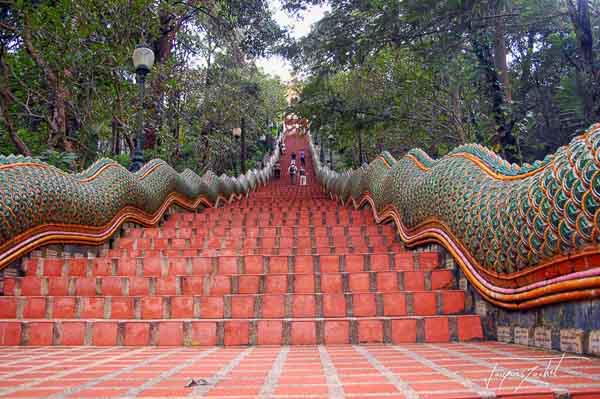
pixel 262 145
pixel 269 138
pixel 314 129
pixel 143 59
pixel 237 133
pixel 243 147
pixel 331 138
pixel 322 149
pixel 361 118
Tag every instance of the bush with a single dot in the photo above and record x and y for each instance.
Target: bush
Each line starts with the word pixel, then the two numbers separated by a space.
pixel 123 159
pixel 62 160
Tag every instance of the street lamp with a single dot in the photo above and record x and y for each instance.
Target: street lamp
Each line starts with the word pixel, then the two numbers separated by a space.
pixel 237 133
pixel 143 59
pixel 262 144
pixel 322 150
pixel 314 131
pixel 361 118
pixel 331 139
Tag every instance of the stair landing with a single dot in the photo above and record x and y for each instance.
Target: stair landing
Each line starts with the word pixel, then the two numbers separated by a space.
pixel 429 371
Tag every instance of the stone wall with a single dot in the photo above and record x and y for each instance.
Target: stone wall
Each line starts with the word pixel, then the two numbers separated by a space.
pixel 566 327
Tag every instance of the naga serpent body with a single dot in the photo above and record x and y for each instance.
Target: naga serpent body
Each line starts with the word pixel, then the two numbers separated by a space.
pixel 523 235
pixel 40 204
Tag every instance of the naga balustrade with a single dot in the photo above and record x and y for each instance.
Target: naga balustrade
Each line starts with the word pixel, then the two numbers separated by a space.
pixel 524 236
pixel 41 205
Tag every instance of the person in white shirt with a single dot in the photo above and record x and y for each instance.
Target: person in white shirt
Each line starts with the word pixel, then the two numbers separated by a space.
pixel 302 176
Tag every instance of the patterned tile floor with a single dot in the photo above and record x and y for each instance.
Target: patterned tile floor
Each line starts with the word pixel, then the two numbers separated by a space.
pixel 455 370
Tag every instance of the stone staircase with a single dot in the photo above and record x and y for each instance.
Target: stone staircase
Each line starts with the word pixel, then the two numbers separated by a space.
pixel 285 266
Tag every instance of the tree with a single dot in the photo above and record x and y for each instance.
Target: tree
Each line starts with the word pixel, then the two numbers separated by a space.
pixel 516 75
pixel 67 86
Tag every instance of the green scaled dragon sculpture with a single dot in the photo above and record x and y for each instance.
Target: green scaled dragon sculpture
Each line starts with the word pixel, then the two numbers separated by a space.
pixel 524 235
pixel 40 204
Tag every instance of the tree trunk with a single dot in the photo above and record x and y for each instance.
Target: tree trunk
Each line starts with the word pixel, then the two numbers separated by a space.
pixel 177 131
pixel 503 141
pixel 243 147
pixel 579 12
pixel 359 142
pixel 169 25
pixel 580 17
pixel 58 96
pixel 6 102
pixel 457 110
pixel 209 56
pixel 116 137
pixel 59 117
pixel 130 143
pixel 583 90
pixel 500 51
pixel 10 128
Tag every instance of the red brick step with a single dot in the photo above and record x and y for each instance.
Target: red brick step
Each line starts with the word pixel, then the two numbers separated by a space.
pixel 240 332
pixel 271 304
pixel 231 264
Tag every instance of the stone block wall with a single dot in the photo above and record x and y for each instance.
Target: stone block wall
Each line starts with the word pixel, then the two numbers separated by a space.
pixel 567 327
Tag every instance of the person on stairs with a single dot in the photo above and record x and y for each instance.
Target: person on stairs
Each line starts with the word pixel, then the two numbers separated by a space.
pixel 302 175
pixel 277 170
pixel 302 159
pixel 292 171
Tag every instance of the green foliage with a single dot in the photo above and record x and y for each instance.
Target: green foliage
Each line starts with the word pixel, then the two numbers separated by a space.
pixel 62 160
pixel 34 140
pixel 431 74
pixel 66 70
pixel 123 159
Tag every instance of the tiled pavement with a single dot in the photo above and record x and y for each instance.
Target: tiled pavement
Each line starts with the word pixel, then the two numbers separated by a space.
pixel 449 370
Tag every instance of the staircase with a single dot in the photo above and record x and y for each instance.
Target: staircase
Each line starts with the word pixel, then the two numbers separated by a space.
pixel 285 266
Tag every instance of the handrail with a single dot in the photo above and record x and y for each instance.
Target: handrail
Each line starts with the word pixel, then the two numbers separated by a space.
pixel 524 236
pixel 41 205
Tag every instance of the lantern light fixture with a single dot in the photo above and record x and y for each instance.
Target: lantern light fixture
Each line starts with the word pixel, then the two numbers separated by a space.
pixel 143 58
